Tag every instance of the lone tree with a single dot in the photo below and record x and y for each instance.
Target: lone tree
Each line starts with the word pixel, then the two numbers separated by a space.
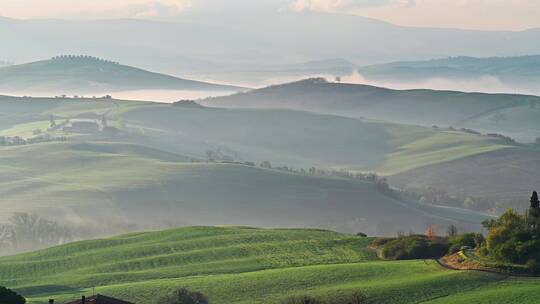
pixel 52 122
pixel 535 203
pixel 8 296
pixel 534 211
pixel 452 231
pixel 104 121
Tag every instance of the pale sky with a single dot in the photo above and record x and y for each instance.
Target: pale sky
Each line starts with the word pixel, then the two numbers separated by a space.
pixel 469 14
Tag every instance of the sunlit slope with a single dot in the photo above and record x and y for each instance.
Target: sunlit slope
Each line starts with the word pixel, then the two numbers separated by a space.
pixel 505 174
pixel 438 148
pixel 245 265
pixel 178 253
pixel 512 290
pixel 117 182
pixel 422 107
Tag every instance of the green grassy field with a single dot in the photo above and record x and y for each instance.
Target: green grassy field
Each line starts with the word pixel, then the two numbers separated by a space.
pixel 509 290
pixel 501 175
pixel 118 184
pixel 146 170
pixel 438 148
pixel 247 265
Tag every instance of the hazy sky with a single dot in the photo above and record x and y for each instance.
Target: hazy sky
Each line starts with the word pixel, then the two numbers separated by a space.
pixel 472 14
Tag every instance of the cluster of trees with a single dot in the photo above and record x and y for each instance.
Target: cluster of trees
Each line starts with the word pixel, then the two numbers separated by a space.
pixel 412 247
pixel 381 182
pixel 221 156
pixel 433 196
pixel 85 57
pixel 38 138
pixel 184 296
pixel 27 231
pixel 428 245
pixel 188 103
pixel 506 139
pixel 8 296
pixel 515 237
pixel 355 298
pixel 64 96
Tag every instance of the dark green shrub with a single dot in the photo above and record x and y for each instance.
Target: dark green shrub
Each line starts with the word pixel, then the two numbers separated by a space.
pixel 471 240
pixel 356 298
pixel 414 247
pixel 512 238
pixel 184 296
pixel 381 241
pixel 532 266
pixel 301 300
pixel 8 296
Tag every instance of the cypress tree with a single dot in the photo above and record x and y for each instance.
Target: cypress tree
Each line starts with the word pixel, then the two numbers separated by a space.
pixel 535 203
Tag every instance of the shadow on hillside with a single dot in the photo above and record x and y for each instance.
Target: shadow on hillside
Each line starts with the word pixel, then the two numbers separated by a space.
pixel 41 290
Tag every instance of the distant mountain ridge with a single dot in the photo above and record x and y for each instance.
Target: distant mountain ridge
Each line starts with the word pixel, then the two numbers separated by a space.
pixel 191 43
pixel 516 70
pixel 82 74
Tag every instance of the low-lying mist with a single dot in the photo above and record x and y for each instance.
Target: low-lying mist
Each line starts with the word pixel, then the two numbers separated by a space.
pixel 482 84
pixel 164 96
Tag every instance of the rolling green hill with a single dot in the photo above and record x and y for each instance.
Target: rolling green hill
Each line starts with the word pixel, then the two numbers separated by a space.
pixel 85 74
pixel 120 185
pixel 503 175
pixel 246 265
pixel 146 168
pixel 509 114
pixel 296 139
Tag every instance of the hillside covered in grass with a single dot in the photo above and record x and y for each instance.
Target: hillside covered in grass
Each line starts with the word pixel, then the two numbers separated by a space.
pixel 480 175
pixel 85 74
pixel 246 265
pixel 509 114
pixel 116 185
pixel 290 138
pixel 188 165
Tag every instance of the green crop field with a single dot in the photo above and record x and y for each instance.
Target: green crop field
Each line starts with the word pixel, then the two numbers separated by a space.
pixel 247 265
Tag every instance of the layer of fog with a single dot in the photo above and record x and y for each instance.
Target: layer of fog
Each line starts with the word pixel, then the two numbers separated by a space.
pixel 482 84
pixel 163 96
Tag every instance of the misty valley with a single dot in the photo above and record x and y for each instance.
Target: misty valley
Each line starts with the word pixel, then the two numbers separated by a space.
pixel 282 152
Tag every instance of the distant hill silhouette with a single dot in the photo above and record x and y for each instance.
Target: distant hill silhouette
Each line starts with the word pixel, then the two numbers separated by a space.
pixel 83 74
pixel 524 70
pixel 510 114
